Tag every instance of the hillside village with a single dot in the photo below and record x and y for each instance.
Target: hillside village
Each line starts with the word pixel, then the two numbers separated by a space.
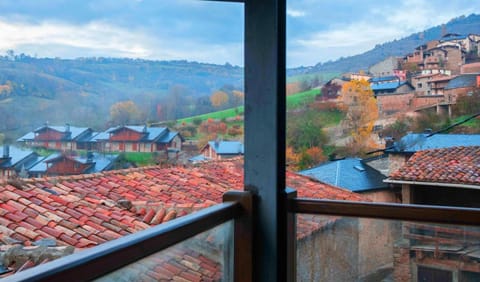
pixel 80 196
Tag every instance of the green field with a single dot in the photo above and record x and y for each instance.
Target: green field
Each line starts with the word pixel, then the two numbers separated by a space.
pixel 293 101
pixel 141 159
pixel 228 113
pixel 302 98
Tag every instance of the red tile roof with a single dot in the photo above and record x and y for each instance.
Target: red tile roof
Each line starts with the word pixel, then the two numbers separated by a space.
pixel 86 210
pixel 456 165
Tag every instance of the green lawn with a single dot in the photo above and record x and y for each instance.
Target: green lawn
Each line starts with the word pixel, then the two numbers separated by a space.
pixel 141 159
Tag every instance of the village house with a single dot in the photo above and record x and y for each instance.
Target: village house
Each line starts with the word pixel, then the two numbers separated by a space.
pixel 461 85
pixel 64 138
pixel 466 42
pixel 331 90
pixel 63 164
pixel 14 161
pixel 219 149
pixel 387 85
pixel 449 57
pixel 403 150
pixel 444 177
pixel 388 67
pixel 130 138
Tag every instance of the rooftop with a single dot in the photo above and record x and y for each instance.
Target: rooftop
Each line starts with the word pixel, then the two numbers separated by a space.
pixel 414 142
pixel 349 174
pixel 458 165
pixel 86 210
pixel 463 80
pixel 227 147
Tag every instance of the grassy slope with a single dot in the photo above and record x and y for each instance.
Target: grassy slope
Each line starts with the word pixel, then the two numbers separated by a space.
pixel 293 101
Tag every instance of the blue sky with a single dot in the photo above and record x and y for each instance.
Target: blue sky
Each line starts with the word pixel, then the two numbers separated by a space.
pixel 317 30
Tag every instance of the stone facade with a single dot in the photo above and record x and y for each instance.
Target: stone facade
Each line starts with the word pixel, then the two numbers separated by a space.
pixel 385 68
pixel 394 103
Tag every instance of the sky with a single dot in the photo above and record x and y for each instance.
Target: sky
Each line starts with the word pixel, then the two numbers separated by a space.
pixel 210 32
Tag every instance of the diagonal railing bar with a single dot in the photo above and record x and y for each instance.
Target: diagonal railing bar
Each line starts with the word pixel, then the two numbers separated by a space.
pixel 107 257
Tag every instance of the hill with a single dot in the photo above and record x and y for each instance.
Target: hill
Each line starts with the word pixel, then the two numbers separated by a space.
pixel 461 25
pixel 81 91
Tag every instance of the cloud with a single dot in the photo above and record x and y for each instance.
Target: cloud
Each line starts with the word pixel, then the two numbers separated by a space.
pixel 99 38
pixel 295 13
pixel 94 35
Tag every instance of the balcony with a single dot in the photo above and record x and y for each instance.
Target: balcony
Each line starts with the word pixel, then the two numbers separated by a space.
pixel 252 235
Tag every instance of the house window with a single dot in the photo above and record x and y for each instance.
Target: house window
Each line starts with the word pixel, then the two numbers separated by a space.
pixel 419 85
pixel 430 274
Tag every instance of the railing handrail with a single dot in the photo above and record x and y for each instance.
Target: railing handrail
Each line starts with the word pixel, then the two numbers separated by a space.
pixel 109 256
pixel 392 211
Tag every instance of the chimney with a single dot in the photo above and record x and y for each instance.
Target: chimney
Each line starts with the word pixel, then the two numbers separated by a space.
pixel 389 141
pixel 145 128
pixel 89 157
pixel 6 151
pixel 67 128
pixel 427 131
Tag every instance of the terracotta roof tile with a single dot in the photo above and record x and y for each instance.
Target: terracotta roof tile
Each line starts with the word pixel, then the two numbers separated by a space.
pixel 87 210
pixel 456 165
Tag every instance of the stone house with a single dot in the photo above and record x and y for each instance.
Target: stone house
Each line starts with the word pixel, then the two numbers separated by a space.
pixel 461 85
pixel 386 67
pixel 429 252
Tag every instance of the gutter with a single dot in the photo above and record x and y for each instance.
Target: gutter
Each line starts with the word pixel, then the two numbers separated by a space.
pixel 440 184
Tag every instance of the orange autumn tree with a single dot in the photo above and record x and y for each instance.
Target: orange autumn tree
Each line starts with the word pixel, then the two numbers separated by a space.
pixel 218 98
pixel 360 105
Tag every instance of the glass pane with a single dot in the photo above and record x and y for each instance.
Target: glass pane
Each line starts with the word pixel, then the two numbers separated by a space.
pixel 205 257
pixel 363 249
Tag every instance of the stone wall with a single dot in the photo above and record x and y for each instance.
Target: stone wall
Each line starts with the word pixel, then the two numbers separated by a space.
pixel 394 103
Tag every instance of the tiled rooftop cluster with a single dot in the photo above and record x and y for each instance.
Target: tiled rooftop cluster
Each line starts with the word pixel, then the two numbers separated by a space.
pixel 86 210
pixel 459 165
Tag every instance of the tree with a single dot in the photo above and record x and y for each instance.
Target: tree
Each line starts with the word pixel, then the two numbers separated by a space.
pixel 218 98
pixel 361 112
pixel 124 112
pixel 305 130
pixel 239 97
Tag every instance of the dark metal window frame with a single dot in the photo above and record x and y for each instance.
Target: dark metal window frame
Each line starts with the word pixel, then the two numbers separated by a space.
pixel 264 243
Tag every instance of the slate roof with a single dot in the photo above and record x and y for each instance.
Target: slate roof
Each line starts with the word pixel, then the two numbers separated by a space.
pixel 456 165
pixel 414 142
pixel 227 147
pixel 74 131
pixel 461 81
pixel 152 134
pixel 349 174
pixel 386 85
pixel 100 162
pixel 17 157
pixel 89 209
